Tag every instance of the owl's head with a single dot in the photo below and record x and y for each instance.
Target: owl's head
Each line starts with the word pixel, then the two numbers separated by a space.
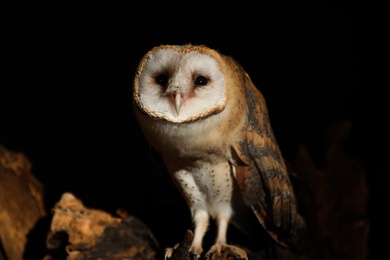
pixel 180 83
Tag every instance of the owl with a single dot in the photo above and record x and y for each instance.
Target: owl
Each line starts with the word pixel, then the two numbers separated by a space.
pixel 200 111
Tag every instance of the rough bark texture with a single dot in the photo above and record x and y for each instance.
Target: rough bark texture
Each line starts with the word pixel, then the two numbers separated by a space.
pixel 21 203
pixel 333 199
pixel 94 234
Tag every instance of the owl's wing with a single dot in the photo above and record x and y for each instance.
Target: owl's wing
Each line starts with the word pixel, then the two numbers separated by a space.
pixel 263 177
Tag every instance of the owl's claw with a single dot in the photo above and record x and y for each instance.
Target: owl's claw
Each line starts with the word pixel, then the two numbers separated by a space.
pixel 168 253
pixel 194 256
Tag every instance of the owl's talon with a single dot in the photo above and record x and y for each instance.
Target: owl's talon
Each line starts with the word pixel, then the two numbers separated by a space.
pixel 168 253
pixel 194 256
pixel 239 257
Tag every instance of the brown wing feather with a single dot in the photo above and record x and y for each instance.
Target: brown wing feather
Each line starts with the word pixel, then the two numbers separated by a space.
pixel 263 177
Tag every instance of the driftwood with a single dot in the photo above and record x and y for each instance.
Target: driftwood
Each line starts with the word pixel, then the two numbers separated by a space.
pixel 21 203
pixel 333 199
pixel 94 234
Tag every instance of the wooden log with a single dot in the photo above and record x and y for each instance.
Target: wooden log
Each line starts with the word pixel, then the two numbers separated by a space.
pixel 21 203
pixel 86 233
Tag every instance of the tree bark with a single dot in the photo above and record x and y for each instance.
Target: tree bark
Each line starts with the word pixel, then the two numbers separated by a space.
pixel 21 203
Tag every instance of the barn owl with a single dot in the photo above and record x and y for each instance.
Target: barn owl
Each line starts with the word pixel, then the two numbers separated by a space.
pixel 200 111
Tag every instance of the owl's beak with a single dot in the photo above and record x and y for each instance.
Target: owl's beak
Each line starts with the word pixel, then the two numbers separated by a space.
pixel 178 102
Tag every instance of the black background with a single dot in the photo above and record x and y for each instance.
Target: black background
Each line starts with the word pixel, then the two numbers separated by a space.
pixel 65 94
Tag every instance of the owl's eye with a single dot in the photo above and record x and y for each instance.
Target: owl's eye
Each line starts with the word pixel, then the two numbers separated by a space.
pixel 201 81
pixel 162 80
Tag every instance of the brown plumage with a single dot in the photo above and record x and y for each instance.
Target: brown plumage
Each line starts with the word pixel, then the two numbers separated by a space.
pixel 201 112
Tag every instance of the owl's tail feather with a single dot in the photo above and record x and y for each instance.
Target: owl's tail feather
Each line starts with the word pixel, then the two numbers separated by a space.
pixel 295 238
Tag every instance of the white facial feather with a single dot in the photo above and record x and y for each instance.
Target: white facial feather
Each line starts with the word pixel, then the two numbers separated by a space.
pixel 181 70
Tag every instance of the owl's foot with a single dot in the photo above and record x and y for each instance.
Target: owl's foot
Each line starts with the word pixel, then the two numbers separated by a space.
pixel 181 251
pixel 174 253
pixel 226 251
pixel 169 251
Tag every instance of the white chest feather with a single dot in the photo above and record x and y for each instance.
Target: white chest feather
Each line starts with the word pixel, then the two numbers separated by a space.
pixel 208 185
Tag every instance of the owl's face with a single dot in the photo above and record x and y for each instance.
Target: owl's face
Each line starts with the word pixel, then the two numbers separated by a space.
pixel 180 83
